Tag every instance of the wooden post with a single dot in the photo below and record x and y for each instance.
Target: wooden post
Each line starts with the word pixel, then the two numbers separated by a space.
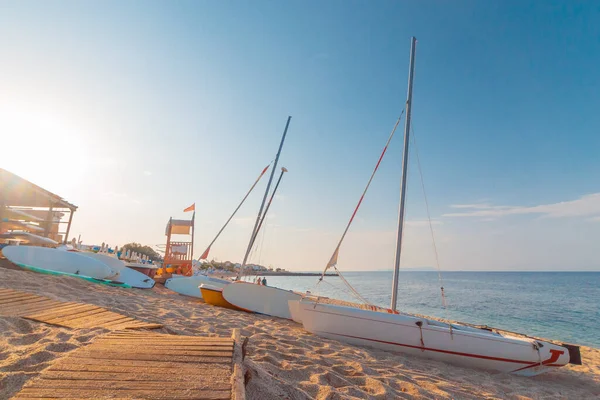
pixel 193 229
pixel 48 222
pixel 168 255
pixel 2 206
pixel 69 227
pixel 238 390
pixel 2 198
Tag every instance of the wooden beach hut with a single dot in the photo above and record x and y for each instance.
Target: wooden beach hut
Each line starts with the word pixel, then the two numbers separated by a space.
pixel 28 208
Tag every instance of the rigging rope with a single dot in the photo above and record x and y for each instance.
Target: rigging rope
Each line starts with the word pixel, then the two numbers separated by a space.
pixel 262 242
pixel 333 260
pixel 354 291
pixel 255 249
pixel 252 249
pixel 343 290
pixel 437 259
pixel 205 254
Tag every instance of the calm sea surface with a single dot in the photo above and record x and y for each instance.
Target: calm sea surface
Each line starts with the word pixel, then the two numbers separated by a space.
pixel 557 305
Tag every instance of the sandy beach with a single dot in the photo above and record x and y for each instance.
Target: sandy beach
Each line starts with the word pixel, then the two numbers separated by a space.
pixel 283 361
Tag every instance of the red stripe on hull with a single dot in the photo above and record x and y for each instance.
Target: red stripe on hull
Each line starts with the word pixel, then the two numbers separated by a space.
pixel 456 353
pixel 548 363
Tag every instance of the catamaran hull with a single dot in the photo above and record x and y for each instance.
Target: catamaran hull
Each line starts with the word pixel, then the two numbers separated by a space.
pixel 260 299
pixel 214 296
pixel 190 286
pixel 461 345
pixel 295 311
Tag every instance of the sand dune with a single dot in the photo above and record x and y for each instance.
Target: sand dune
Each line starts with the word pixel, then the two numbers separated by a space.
pixel 283 361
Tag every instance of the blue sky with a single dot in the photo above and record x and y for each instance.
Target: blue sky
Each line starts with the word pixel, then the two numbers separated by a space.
pixel 135 110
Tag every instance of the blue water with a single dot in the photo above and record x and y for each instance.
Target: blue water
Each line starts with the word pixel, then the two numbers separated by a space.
pixel 557 305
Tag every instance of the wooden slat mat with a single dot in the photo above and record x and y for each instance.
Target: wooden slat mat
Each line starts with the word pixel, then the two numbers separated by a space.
pixel 67 314
pixel 140 365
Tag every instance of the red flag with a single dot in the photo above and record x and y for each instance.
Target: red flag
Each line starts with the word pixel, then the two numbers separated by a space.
pixel 204 255
pixel 190 208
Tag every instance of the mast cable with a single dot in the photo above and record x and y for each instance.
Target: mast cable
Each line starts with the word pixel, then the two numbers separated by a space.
pixel 356 294
pixel 333 261
pixel 437 259
pixel 262 242
pixel 340 288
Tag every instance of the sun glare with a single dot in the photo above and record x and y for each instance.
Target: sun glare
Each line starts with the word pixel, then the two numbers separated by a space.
pixel 42 147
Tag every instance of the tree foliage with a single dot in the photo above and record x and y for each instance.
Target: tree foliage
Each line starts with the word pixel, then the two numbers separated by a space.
pixel 218 265
pixel 145 250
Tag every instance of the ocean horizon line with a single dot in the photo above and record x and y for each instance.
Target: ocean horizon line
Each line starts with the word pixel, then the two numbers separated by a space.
pixel 450 271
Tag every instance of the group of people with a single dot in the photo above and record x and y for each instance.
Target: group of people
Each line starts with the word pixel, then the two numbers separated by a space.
pixel 262 281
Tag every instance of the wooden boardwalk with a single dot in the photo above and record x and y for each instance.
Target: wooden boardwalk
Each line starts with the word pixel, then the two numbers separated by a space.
pixel 144 365
pixel 67 314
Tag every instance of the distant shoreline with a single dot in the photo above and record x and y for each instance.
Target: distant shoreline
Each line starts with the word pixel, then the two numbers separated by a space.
pixel 269 273
pixel 456 270
pixel 290 273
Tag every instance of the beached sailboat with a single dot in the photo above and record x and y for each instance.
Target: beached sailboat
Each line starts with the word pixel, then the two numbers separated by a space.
pixel 257 298
pixel 190 286
pixel 390 330
pixel 454 343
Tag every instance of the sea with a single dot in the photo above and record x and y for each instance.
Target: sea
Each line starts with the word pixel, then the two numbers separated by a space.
pixel 563 306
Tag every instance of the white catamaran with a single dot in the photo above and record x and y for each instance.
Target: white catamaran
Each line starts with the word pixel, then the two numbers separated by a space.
pixel 455 343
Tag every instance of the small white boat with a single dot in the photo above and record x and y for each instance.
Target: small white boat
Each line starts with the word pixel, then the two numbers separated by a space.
pixel 260 299
pixel 17 225
pixel 114 263
pixel 20 215
pixel 189 286
pixel 56 261
pixel 136 266
pixel 29 238
pixel 124 274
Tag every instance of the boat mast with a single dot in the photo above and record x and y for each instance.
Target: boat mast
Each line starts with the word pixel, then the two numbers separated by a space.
pixel 283 171
pixel 411 70
pixel 262 205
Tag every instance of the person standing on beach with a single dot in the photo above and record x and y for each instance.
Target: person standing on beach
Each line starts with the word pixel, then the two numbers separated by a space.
pixel 264 281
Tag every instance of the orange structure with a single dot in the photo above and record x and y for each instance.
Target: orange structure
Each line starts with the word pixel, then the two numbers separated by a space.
pixel 179 254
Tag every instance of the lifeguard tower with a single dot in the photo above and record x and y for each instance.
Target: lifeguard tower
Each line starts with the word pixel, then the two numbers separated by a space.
pixel 179 254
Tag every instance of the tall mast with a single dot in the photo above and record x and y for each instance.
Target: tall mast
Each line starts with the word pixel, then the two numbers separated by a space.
pixel 411 70
pixel 262 205
pixel 283 171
